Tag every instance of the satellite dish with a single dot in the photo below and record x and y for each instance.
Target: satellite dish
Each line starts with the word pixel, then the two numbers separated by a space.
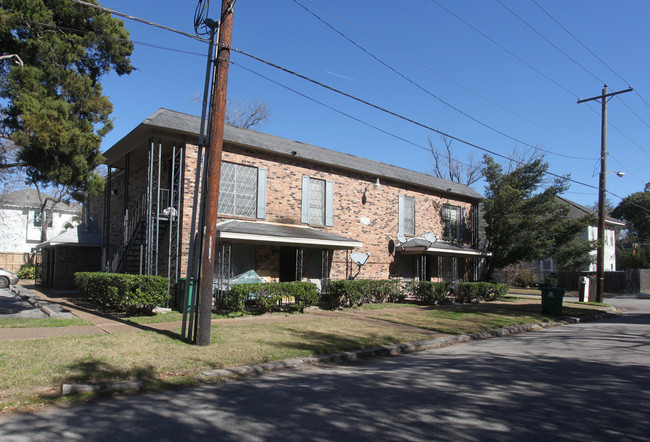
pixel 401 238
pixel 431 237
pixel 359 258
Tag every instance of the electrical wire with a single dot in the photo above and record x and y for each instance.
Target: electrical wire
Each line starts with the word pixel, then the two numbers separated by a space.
pixel 140 20
pixel 508 51
pixel 399 116
pixel 395 114
pixel 428 92
pixel 351 96
pixel 451 80
pixel 201 13
pixel 550 42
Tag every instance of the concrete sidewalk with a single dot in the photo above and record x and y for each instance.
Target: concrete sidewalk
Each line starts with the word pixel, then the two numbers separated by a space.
pixel 58 305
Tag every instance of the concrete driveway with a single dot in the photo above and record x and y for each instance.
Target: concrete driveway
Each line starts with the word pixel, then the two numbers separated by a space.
pixel 14 306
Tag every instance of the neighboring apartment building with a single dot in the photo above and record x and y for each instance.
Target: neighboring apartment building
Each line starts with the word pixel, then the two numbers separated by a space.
pixel 287 210
pixel 576 211
pixel 20 220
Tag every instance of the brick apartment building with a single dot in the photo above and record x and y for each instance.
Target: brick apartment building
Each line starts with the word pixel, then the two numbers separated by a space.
pixel 287 210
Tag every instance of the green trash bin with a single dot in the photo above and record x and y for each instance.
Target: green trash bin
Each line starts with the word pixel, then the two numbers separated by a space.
pixel 552 298
pixel 180 295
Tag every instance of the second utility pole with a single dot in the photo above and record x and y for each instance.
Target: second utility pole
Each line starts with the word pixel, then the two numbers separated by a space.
pixel 602 191
pixel 212 175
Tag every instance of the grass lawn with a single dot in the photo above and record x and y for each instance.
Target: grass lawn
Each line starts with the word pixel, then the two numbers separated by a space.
pixel 40 322
pixel 32 370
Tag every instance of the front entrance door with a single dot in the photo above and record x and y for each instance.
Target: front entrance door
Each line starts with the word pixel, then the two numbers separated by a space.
pixel 287 264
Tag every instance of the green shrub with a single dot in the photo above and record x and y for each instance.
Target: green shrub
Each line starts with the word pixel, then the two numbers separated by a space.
pixel 467 292
pixel 126 293
pixel 305 294
pixel 500 290
pixel 386 290
pixel 431 293
pixel 347 293
pixel 268 296
pixel 551 280
pixel 28 271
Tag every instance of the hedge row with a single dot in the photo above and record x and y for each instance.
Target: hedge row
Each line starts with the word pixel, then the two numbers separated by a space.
pixel 125 293
pixel 298 296
pixel 354 293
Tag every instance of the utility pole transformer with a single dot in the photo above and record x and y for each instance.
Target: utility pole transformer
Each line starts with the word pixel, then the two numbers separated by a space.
pixel 213 175
pixel 602 190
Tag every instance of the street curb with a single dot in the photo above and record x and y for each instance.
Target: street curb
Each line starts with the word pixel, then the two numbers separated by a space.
pixel 390 350
pixel 69 389
pixel 52 312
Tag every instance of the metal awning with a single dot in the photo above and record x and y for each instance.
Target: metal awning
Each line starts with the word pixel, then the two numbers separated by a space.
pixel 419 246
pixel 282 235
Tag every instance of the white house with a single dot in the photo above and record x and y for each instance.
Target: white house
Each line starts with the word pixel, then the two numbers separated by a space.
pixel 576 211
pixel 20 220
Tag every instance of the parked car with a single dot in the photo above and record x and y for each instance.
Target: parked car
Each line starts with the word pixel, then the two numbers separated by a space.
pixel 6 278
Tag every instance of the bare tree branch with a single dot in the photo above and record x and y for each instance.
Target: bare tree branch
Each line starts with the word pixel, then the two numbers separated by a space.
pixel 446 166
pixel 245 114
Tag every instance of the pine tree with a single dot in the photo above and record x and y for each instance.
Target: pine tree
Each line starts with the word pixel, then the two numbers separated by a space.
pixel 56 114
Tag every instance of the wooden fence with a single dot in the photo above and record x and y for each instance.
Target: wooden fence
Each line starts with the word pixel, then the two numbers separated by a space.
pixel 12 261
pixel 627 281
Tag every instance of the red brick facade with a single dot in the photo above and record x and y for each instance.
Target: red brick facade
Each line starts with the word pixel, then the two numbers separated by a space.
pixel 361 212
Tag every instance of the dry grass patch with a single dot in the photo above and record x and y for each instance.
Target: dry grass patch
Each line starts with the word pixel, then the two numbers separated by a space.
pixel 162 359
pixel 475 318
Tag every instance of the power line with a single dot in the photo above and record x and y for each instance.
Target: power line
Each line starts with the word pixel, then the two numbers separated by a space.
pixel 597 58
pixel 356 98
pixel 390 113
pixel 425 90
pixel 451 80
pixel 550 42
pixel 508 51
pixel 137 42
pixel 395 114
pixel 589 50
pixel 146 22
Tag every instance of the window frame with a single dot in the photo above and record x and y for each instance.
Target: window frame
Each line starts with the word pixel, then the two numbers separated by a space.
pixel 38 218
pixel 403 223
pixel 459 231
pixel 259 206
pixel 328 202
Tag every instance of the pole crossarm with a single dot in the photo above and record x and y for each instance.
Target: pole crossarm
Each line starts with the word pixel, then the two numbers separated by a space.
pixel 602 97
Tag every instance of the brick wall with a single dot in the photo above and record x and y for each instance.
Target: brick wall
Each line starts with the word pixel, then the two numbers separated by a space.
pixel 375 223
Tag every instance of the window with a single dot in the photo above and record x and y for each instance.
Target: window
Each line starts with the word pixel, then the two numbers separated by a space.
pixel 406 215
pixel 453 223
pixel 317 202
pixel 242 191
pixel 38 220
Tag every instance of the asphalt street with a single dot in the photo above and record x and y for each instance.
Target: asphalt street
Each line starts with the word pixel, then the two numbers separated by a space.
pixel 588 381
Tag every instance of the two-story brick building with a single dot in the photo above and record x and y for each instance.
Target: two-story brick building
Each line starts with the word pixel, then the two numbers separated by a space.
pixel 287 210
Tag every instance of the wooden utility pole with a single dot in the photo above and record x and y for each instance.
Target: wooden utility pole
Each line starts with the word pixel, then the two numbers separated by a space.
pixel 602 191
pixel 213 175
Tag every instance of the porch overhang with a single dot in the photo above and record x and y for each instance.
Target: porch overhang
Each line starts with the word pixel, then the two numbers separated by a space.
pixel 282 235
pixel 420 246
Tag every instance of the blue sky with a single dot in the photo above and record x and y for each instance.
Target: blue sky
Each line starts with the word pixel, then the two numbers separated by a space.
pixel 501 96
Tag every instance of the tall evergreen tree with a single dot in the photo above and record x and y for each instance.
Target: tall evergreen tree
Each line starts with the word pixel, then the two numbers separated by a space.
pixel 526 222
pixel 635 210
pixel 56 114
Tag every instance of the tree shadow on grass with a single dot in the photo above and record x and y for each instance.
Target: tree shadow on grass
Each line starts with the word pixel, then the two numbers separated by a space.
pixel 95 371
